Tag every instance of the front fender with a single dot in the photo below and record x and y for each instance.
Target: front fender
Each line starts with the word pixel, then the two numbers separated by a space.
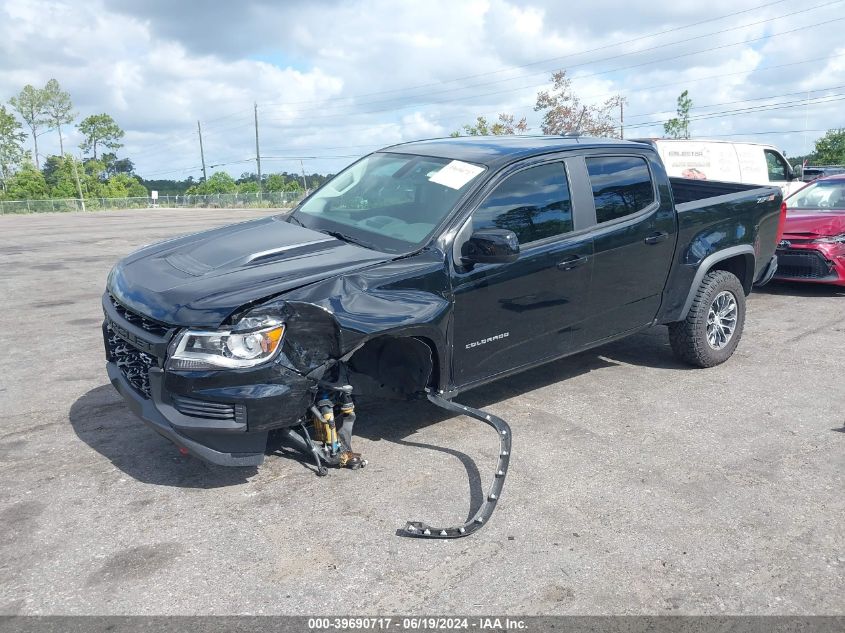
pixel 329 321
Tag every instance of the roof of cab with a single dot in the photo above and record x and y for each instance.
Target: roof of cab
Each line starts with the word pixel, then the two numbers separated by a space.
pixel 496 151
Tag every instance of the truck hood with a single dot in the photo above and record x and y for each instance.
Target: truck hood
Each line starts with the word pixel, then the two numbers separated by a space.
pixel 200 279
pixel 812 224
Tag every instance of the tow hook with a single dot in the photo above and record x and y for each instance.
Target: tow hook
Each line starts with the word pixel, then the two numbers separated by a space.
pixel 418 529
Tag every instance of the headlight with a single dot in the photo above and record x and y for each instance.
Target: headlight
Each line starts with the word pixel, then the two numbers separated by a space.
pixel 836 239
pixel 252 342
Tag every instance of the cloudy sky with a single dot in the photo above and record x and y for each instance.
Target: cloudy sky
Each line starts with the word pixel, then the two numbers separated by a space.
pixel 334 80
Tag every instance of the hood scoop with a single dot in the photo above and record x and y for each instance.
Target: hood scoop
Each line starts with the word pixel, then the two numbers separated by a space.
pixel 291 250
pixel 187 264
pixel 246 245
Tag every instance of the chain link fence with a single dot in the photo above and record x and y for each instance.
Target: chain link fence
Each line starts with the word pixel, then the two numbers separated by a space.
pixel 270 200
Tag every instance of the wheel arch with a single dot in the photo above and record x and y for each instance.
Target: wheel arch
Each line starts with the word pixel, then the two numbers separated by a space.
pixel 395 365
pixel 738 260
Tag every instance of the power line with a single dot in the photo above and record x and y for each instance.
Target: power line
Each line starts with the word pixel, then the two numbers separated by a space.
pixel 249 160
pixel 549 59
pixel 754 110
pixel 612 57
pixel 180 141
pixel 461 116
pixel 595 74
pixel 762 133
pixel 315 157
pixel 724 103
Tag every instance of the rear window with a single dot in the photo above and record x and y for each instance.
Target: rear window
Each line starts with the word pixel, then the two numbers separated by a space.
pixel 621 186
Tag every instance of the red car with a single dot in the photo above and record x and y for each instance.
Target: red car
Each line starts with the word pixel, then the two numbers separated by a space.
pixel 812 245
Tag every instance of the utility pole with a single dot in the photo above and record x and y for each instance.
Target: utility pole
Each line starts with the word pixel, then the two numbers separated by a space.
pixel 78 184
pixel 304 184
pixel 202 153
pixel 622 118
pixel 257 153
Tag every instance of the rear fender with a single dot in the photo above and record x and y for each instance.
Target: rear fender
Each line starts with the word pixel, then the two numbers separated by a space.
pixel 711 262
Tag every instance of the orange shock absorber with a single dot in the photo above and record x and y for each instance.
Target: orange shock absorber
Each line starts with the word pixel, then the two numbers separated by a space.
pixel 326 409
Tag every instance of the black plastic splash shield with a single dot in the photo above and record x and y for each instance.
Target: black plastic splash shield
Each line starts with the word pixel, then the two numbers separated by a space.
pixel 418 529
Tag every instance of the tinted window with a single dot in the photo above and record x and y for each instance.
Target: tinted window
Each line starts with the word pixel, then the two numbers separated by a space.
pixel 533 203
pixel 621 186
pixel 776 166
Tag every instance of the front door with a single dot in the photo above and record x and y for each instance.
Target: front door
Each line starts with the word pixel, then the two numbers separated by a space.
pixel 779 171
pixel 510 315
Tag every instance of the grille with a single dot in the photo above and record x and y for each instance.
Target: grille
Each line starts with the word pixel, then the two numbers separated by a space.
pixel 799 264
pixel 204 409
pixel 146 324
pixel 132 362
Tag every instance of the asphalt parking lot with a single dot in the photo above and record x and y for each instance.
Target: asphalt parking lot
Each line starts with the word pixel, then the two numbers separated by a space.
pixel 637 485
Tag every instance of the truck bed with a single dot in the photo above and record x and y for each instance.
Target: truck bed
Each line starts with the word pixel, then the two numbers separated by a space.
pixel 685 190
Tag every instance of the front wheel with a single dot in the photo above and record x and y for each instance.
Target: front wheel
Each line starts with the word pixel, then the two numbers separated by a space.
pixel 710 333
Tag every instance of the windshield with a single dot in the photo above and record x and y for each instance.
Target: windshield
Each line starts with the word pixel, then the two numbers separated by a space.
pixel 388 202
pixel 822 194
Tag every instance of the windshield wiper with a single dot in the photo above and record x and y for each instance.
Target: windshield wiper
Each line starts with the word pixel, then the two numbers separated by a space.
pixel 297 220
pixel 348 238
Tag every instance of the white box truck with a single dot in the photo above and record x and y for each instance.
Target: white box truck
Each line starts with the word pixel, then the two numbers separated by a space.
pixel 749 163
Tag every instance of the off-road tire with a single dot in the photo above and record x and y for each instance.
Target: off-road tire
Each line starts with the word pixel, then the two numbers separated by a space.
pixel 688 338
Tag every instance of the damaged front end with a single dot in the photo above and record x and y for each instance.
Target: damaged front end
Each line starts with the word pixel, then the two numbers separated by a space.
pixel 387 366
pixel 290 366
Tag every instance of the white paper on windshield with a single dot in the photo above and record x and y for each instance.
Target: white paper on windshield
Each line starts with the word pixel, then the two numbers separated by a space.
pixel 456 174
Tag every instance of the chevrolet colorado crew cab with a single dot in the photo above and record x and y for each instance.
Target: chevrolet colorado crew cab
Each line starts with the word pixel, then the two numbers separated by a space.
pixel 429 267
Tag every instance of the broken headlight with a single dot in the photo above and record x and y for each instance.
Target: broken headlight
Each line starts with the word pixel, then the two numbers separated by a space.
pixel 251 342
pixel 835 239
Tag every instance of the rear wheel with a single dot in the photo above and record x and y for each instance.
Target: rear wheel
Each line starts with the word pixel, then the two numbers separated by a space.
pixel 710 333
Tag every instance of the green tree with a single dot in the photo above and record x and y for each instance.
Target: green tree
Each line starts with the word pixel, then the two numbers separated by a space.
pixel 218 182
pixel 281 182
pixel 12 139
pixel 274 183
pixel 505 125
pixel 678 127
pixel 830 148
pixel 31 106
pixel 249 187
pixel 58 109
pixel 60 177
pixel 27 184
pixel 115 165
pixel 122 186
pixel 563 111
pixel 102 130
pixel 58 174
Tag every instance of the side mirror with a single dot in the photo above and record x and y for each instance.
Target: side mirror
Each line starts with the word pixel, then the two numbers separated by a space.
pixel 490 246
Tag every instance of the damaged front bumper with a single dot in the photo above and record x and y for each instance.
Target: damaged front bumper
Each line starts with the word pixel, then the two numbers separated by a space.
pixel 227 444
pixel 223 417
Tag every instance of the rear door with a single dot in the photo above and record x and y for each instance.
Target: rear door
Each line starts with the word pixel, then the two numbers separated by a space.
pixel 633 242
pixel 510 315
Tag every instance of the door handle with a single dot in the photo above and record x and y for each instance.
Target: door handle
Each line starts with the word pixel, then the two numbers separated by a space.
pixel 572 262
pixel 656 238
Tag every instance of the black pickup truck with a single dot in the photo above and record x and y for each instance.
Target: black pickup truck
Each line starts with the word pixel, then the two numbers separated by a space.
pixel 430 268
